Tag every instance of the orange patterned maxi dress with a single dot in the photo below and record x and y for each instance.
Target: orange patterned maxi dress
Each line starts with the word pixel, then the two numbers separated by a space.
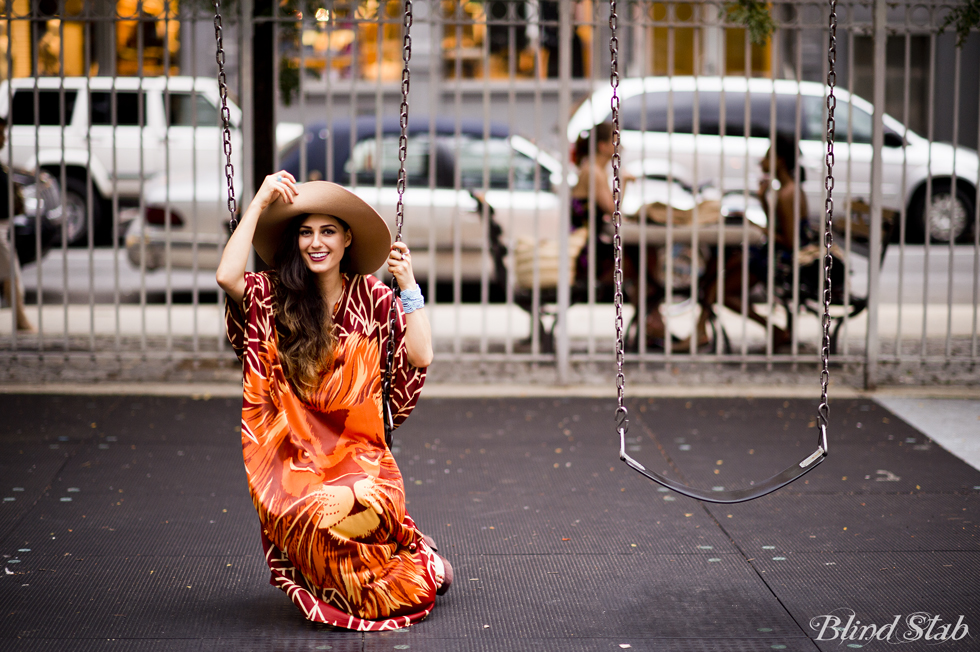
pixel 330 498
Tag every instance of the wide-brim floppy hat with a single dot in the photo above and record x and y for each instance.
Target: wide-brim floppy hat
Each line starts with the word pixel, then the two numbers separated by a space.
pixel 370 236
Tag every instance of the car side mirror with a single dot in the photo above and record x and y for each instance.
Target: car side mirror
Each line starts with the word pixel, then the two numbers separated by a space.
pixel 893 140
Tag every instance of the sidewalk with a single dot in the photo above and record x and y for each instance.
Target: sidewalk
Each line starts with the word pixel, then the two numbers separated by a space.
pixel 126 525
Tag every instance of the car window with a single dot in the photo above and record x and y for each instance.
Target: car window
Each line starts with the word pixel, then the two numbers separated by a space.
pixel 654 106
pixel 188 109
pixel 127 108
pixel 500 160
pixel 364 163
pixel 859 122
pixel 48 104
pixel 650 112
pixel 760 112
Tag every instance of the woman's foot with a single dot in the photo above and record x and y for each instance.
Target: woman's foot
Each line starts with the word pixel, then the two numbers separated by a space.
pixel 447 574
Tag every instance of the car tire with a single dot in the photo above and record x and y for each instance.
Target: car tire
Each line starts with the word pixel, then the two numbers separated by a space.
pixel 76 207
pixel 950 215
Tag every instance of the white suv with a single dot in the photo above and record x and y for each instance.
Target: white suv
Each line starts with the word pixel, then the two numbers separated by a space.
pixel 120 131
pixel 721 161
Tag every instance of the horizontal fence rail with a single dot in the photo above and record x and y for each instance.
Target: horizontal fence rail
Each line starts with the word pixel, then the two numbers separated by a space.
pixel 116 175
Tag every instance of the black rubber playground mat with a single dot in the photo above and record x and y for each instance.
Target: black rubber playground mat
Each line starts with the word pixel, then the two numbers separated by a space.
pixel 131 528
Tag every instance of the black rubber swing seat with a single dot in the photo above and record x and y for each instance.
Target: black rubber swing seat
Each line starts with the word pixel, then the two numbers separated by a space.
pixel 736 495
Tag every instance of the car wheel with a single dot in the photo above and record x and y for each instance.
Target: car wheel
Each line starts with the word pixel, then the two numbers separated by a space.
pixel 76 211
pixel 949 214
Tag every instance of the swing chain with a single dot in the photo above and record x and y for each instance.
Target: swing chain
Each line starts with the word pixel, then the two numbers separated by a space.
pixel 399 220
pixel 824 409
pixel 622 415
pixel 225 118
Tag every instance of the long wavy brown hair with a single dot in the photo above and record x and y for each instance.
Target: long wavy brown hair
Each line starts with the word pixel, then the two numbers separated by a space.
pixel 304 325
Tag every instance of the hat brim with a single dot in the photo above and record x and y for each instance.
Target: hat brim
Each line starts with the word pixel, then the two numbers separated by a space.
pixel 370 236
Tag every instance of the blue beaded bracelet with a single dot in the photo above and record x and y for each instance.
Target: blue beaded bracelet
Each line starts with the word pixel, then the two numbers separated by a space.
pixel 412 299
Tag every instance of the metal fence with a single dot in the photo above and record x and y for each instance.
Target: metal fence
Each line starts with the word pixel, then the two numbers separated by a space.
pixel 508 232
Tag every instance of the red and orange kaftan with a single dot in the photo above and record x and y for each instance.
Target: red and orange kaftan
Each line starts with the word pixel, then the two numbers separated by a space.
pixel 330 498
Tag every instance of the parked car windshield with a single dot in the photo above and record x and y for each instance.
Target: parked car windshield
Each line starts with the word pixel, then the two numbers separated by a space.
pixel 188 110
pixel 652 112
pixel 49 107
pixel 506 167
pixel 127 108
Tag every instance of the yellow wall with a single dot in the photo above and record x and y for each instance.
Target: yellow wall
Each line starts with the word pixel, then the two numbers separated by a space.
pixel 684 41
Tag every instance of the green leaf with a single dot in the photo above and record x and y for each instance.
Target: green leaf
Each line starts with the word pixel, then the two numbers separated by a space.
pixel 755 16
pixel 965 17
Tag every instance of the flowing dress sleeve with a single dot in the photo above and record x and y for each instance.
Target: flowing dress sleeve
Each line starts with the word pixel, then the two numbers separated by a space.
pixel 406 381
pixel 253 321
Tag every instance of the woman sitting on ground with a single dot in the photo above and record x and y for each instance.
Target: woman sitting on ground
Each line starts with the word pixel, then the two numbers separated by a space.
pixel 312 335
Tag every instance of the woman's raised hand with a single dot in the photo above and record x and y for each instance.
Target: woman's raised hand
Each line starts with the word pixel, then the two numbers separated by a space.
pixel 279 185
pixel 400 265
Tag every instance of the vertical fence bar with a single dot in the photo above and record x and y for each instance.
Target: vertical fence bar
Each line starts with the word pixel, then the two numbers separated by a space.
pixel 562 345
pixel 747 140
pixel 511 107
pixel 642 304
pixel 167 210
pixel 90 206
pixel 303 163
pixel 772 218
pixel 903 213
pixel 849 189
pixel 116 281
pixel 141 120
pixel 484 207
pixel 590 246
pixel 927 203
pixel 191 20
pixel 63 118
pixel 797 185
pixel 36 59
pixel 457 143
pixel 669 246
pixel 877 178
pixel 722 71
pixel 434 15
pixel 536 232
pixel 974 343
pixel 695 189
pixel 14 267
pixel 954 187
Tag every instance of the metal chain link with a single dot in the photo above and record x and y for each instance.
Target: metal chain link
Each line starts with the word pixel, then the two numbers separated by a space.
pixel 399 219
pixel 824 409
pixel 622 414
pixel 225 117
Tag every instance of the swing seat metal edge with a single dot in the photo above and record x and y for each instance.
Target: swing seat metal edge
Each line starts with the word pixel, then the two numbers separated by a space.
pixel 735 495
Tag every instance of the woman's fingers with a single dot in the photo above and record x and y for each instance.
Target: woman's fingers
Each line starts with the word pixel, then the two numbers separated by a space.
pixel 283 184
pixel 400 264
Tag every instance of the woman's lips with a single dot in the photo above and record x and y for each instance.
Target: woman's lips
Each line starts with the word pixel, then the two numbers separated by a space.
pixel 318 257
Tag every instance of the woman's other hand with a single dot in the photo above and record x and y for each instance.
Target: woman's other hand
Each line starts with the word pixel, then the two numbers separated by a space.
pixel 234 259
pixel 400 265
pixel 279 185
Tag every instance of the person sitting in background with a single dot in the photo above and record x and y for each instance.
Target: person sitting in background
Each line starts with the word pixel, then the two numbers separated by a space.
pixel 787 193
pixel 13 292
pixel 594 189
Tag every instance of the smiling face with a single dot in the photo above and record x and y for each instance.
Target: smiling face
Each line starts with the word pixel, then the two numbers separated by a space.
pixel 322 242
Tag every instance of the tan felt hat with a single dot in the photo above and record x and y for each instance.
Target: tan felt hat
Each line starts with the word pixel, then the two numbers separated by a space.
pixel 370 237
